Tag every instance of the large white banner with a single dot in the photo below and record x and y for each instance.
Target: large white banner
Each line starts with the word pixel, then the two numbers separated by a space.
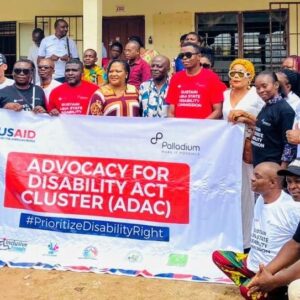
pixel 121 195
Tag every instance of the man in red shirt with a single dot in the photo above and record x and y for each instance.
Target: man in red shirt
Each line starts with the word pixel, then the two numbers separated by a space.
pixel 73 96
pixel 195 92
pixel 139 69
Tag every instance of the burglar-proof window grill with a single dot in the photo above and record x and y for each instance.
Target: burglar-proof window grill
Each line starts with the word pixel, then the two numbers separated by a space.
pixel 8 32
pixel 258 36
pixel 292 36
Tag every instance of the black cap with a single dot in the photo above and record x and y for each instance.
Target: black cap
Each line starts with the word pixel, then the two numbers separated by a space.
pixel 293 169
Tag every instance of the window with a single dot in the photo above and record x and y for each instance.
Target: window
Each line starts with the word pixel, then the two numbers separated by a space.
pixel 8 31
pixel 257 36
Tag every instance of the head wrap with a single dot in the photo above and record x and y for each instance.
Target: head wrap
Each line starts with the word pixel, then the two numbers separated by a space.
pixel 291 76
pixel 293 79
pixel 247 64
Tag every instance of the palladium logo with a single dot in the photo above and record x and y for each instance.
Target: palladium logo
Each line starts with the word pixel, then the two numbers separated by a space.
pixel 157 137
pixel 171 147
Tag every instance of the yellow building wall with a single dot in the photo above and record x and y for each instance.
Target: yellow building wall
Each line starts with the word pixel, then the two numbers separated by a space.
pixel 294 31
pixel 26 10
pixel 166 41
pixel 165 20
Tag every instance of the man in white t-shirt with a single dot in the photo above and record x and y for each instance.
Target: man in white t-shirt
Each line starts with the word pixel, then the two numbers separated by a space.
pixel 46 82
pixel 3 67
pixel 276 217
pixel 284 269
pixel 58 47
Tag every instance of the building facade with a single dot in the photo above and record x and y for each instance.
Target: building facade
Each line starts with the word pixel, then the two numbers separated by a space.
pixel 260 30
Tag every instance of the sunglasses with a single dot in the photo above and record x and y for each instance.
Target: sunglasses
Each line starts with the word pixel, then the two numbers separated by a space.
pixel 45 67
pixel 205 66
pixel 18 71
pixel 186 54
pixel 240 74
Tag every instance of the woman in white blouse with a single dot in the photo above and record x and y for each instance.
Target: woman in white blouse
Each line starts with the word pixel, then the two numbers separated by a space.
pixel 242 105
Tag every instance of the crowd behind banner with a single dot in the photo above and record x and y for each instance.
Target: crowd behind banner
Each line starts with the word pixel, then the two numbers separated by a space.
pixel 137 82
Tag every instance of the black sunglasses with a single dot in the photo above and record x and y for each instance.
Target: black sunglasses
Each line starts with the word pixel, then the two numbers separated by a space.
pixel 18 71
pixel 205 66
pixel 186 54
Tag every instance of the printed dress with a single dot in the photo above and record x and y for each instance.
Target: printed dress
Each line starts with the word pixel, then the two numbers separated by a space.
pixel 126 105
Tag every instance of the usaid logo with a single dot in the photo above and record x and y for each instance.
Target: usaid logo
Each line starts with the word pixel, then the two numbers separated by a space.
pixel 172 147
pixel 17 134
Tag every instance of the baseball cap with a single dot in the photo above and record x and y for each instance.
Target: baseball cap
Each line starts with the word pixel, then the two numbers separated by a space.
pixel 2 59
pixel 293 169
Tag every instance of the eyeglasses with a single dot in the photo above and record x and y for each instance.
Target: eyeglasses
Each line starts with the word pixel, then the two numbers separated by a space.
pixel 205 66
pixel 240 74
pixel 45 67
pixel 186 54
pixel 18 71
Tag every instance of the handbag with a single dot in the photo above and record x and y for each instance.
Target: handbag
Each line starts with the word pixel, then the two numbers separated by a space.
pixel 247 153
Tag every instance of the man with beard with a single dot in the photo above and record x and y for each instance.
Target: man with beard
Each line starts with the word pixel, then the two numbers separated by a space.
pixel 153 92
pixel 23 95
pixel 73 96
pixel 58 47
pixel 195 92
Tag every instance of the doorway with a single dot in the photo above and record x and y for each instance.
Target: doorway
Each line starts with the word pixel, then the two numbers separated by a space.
pixel 121 28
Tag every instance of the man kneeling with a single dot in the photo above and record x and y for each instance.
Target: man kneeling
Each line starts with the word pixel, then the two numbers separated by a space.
pixel 276 216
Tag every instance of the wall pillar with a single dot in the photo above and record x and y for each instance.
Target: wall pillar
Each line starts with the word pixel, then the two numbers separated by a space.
pixel 92 25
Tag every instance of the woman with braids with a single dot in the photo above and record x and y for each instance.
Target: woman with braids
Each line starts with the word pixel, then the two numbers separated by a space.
pixel 241 105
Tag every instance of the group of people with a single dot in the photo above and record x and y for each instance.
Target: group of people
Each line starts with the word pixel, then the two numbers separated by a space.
pixel 136 82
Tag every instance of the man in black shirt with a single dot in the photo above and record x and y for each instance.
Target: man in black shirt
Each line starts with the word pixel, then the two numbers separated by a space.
pixel 23 95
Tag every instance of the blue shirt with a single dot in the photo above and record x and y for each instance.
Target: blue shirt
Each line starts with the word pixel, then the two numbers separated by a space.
pixel 178 64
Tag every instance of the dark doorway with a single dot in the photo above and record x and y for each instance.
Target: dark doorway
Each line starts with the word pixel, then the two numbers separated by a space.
pixel 8 33
pixel 120 28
